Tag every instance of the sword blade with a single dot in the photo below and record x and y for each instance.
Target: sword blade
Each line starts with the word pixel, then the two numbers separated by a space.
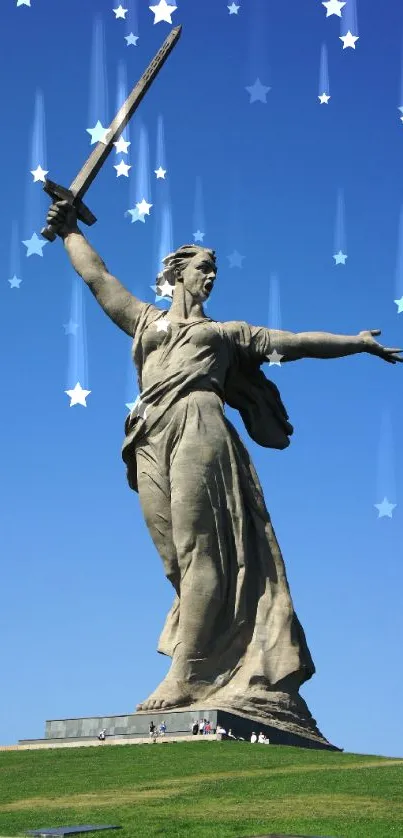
pixel 101 151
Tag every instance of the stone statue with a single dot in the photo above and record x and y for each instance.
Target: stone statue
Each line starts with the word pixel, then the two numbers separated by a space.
pixel 232 632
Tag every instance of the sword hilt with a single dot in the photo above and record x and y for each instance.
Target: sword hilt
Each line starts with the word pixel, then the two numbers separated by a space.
pixel 60 193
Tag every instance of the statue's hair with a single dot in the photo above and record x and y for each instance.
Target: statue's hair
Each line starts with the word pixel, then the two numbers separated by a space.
pixel 175 262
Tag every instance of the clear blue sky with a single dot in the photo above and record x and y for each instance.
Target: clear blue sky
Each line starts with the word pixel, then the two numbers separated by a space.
pixel 286 183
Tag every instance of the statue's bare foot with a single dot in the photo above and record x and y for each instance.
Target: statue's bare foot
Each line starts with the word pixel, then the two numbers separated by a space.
pixel 170 693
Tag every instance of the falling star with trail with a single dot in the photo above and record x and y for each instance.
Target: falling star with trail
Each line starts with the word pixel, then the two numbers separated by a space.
pixel 274 323
pixel 140 190
pixel 258 48
pixel 385 468
pixel 349 25
pixel 77 369
pixel 235 220
pixel 400 108
pixel 198 212
pixel 14 264
pixel 160 171
pixel 35 201
pixel 324 88
pixel 340 233
pixel 121 145
pixel 399 266
pixel 163 292
pixel 131 23
pixel 98 108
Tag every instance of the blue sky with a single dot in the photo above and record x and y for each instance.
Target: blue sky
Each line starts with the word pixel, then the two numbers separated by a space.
pixel 287 183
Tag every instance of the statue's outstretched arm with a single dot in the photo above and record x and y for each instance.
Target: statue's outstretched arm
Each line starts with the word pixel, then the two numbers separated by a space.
pixel 325 345
pixel 117 302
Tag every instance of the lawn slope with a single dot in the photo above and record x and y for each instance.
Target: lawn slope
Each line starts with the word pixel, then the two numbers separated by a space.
pixel 203 790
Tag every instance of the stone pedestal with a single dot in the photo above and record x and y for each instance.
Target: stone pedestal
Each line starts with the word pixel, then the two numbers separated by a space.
pixel 179 723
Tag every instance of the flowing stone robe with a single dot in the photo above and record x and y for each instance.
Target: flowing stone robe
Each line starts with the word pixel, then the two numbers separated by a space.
pixel 204 505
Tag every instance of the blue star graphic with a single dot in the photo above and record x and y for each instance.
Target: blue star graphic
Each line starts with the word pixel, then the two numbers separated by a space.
pixel 340 258
pixel 233 9
pixel 34 245
pixel 385 508
pixel 70 328
pixel 15 282
pixel 235 259
pixel 131 39
pixel 198 236
pixel 136 215
pixel 258 92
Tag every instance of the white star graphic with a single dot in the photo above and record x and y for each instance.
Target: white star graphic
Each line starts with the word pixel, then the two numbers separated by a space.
pixel 15 282
pixel 23 3
pixel 324 99
pixel 34 245
pixel 122 169
pixel 162 12
pixel 274 358
pixel 233 9
pixel 143 207
pixel 39 174
pixel 166 289
pixel 340 258
pixel 121 146
pixel 131 39
pixel 77 395
pixel 98 134
pixel 349 40
pixel 385 508
pixel 160 172
pixel 333 7
pixel 120 12
pixel 163 325
pixel 399 304
pixel 258 92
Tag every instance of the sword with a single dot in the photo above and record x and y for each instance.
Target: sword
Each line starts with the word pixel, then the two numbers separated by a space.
pixel 89 171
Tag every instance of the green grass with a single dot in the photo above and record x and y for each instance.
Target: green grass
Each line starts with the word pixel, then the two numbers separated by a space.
pixel 203 790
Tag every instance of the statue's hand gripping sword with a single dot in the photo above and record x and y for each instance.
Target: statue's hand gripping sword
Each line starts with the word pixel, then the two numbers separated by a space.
pixel 101 151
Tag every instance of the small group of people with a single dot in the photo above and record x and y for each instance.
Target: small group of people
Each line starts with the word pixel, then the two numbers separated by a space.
pixel 154 731
pixel 201 727
pixel 262 739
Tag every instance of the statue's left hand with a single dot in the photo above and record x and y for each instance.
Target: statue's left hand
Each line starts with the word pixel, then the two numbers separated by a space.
pixel 374 348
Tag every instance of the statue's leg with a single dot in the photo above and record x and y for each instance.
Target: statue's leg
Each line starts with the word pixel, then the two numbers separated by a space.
pixel 154 495
pixel 155 502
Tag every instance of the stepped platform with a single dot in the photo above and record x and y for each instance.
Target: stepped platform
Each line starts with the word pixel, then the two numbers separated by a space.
pixel 134 729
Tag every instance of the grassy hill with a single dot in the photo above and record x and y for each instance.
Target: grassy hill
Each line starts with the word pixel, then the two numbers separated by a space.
pixel 202 790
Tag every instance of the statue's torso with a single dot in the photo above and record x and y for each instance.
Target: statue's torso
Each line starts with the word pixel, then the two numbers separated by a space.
pixel 184 343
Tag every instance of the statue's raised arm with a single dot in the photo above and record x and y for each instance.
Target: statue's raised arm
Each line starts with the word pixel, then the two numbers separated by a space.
pixel 117 302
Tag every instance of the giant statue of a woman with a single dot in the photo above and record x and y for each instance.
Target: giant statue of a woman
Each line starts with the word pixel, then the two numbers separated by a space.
pixel 232 632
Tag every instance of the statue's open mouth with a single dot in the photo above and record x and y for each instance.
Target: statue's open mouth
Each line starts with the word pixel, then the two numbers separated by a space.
pixel 208 285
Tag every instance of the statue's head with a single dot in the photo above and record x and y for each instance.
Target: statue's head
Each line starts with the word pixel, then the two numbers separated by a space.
pixel 192 265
